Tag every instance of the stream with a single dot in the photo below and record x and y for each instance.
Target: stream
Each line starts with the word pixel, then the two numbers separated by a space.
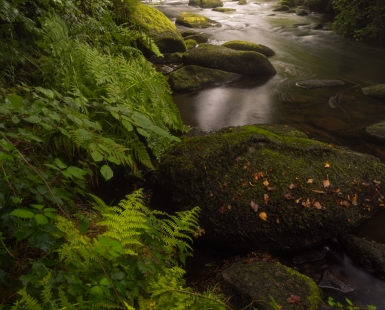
pixel 333 115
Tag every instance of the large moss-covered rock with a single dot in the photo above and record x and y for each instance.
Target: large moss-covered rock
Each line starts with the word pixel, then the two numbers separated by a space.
pixel 195 21
pixel 261 190
pixel 155 24
pixel 249 46
pixel 227 59
pixel 377 91
pixel 369 254
pixel 167 58
pixel 250 286
pixel 206 3
pixel 194 77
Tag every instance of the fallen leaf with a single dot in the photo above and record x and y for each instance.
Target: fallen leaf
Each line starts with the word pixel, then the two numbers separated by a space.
pixel 291 186
pixel 277 220
pixel 293 299
pixel 229 207
pixel 298 200
pixel 327 165
pixel 288 196
pixel 266 198
pixel 326 183
pixel 254 206
pixel 318 191
pixel 306 203
pixel 222 210
pixel 270 189
pixel 310 181
pixel 258 175
pixel 266 183
pixel 263 216
pixel 317 205
pixel 354 200
pixel 345 203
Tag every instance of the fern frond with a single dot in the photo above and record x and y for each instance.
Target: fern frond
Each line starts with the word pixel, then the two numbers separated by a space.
pixel 27 302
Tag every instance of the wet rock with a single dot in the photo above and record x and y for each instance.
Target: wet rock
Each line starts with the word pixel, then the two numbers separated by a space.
pixel 290 11
pixel 224 10
pixel 242 2
pixel 329 280
pixel 377 130
pixel 199 38
pixel 230 60
pixel 281 8
pixel 206 3
pixel 318 27
pixel 166 69
pixel 310 256
pixel 369 254
pixel 156 25
pixel 195 21
pixel 186 33
pixel 194 77
pixel 231 171
pixel 190 43
pixel 250 285
pixel 249 46
pixel 319 83
pixel 377 91
pixel 167 58
pixel 302 13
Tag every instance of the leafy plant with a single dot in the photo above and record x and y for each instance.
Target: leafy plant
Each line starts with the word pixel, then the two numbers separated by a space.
pixel 349 305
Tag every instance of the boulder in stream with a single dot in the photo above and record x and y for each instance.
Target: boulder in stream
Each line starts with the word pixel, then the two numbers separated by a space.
pixel 190 43
pixel 224 10
pixel 199 38
pixel 195 21
pixel 281 8
pixel 368 254
pixel 269 187
pixel 319 83
pixel 206 4
pixel 156 25
pixel 230 60
pixel 250 285
pixel 376 131
pixel 194 77
pixel 377 91
pixel 249 46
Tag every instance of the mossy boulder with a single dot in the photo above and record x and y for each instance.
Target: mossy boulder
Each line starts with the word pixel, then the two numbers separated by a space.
pixel 186 33
pixel 376 131
pixel 369 254
pixel 199 38
pixel 167 58
pixel 242 2
pixel 224 10
pixel 249 46
pixel 156 25
pixel 302 13
pixel 250 286
pixel 205 4
pixel 230 60
pixel 194 77
pixel 190 43
pixel 319 83
pixel 281 8
pixel 261 190
pixel 377 91
pixel 195 21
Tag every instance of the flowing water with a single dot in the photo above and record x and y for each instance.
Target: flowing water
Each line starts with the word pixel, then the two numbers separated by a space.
pixel 333 115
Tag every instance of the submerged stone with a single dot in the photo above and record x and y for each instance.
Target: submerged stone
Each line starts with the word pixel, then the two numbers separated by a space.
pixel 368 254
pixel 224 10
pixel 331 281
pixel 250 285
pixel 230 60
pixel 205 4
pixel 377 91
pixel 195 21
pixel 194 77
pixel 377 130
pixel 319 83
pixel 249 46
pixel 156 25
pixel 260 190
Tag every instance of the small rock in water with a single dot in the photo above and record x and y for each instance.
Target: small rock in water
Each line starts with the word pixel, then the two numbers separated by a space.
pixel 166 69
pixel 329 280
pixel 319 83
pixel 309 256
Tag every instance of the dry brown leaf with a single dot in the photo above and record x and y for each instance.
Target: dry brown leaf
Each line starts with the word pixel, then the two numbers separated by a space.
pixel 288 196
pixel 270 189
pixel 317 205
pixel 266 198
pixel 266 183
pixel 263 216
pixel 310 181
pixel 327 165
pixel 222 210
pixel 254 206
pixel 354 200
pixel 291 186
pixel 258 175
pixel 294 299
pixel 306 203
pixel 277 220
pixel 229 207
pixel 326 183
pixel 345 203
pixel 298 200
pixel 318 191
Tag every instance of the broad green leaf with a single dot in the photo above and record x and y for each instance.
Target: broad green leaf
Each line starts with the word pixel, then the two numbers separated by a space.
pixel 127 125
pixel 34 119
pixel 119 275
pixel 59 163
pixel 104 281
pixel 16 200
pixel 143 132
pixel 23 213
pixel 76 172
pixel 75 119
pixel 50 215
pixel 96 156
pixel 41 219
pixel 64 132
pixel 15 100
pixel 83 134
pixel 29 135
pixel 104 240
pixel 113 159
pixel 106 172
pixel 48 210
pixel 39 207
pixel 15 119
pixel 5 157
pixel 52 167
pixel 83 226
pixel 6 145
pixel 49 93
pixel 96 293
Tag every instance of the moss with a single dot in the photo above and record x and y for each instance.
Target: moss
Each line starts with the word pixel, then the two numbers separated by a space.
pixel 224 10
pixel 194 77
pixel 281 8
pixel 226 59
pixel 186 33
pixel 167 58
pixel 199 38
pixel 195 21
pixel 155 24
pixel 221 170
pixel 206 3
pixel 249 46
pixel 257 281
pixel 377 91
pixel 190 43
pixel 242 2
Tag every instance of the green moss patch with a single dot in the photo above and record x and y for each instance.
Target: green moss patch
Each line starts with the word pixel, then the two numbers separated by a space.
pixel 377 130
pixel 206 3
pixel 195 21
pixel 199 38
pixel 224 10
pixel 249 46
pixel 190 43
pixel 261 190
pixel 167 58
